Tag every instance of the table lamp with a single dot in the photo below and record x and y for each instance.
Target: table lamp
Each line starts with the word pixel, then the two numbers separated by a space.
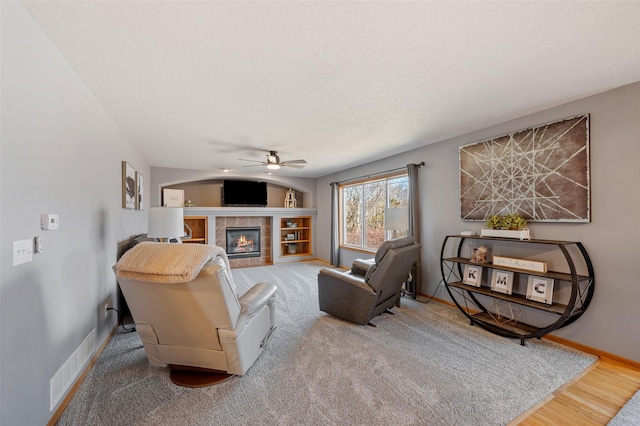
pixel 396 220
pixel 166 223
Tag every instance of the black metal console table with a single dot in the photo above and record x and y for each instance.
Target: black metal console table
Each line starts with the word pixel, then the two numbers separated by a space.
pixel 575 288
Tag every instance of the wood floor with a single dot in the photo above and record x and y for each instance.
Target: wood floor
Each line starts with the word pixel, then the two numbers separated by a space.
pixel 594 398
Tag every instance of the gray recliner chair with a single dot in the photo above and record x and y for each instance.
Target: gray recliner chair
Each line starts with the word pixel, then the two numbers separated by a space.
pixel 371 286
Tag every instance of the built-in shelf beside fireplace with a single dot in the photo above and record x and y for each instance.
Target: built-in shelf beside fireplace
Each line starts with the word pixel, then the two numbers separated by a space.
pixel 270 220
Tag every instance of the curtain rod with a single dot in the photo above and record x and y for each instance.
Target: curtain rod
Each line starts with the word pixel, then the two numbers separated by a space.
pixel 375 174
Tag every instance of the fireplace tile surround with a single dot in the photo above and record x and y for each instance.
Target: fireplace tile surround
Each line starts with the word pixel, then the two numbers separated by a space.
pixel 264 223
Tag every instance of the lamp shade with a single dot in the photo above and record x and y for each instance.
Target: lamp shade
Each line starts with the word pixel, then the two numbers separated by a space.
pixel 396 219
pixel 166 222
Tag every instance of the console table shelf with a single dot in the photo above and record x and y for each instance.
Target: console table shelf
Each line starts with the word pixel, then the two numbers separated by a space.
pixel 520 299
pixel 549 274
pixel 482 305
pixel 519 330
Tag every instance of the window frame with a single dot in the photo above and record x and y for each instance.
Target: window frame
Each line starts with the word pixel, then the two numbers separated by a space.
pixel 341 208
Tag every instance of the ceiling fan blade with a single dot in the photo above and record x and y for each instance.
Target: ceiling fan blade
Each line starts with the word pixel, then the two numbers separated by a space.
pixel 255 165
pixel 274 160
pixel 293 166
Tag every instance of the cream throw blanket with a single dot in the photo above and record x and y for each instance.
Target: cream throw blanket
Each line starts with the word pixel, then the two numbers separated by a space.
pixel 166 263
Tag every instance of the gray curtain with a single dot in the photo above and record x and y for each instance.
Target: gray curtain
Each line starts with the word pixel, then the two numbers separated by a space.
pixel 335 230
pixel 414 223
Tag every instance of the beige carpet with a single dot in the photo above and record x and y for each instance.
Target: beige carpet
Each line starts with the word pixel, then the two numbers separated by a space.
pixel 629 414
pixel 424 365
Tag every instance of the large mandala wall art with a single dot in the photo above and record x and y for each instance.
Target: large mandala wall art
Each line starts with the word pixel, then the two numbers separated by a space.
pixel 541 173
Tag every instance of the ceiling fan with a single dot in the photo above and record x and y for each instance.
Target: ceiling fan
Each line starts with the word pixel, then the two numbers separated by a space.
pixel 273 162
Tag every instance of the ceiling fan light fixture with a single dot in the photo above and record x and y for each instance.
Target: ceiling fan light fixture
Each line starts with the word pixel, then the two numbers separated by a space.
pixel 273 162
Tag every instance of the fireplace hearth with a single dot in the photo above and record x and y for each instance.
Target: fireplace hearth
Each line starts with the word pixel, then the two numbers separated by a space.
pixel 243 242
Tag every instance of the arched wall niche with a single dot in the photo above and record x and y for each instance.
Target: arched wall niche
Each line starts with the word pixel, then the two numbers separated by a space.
pixel 204 188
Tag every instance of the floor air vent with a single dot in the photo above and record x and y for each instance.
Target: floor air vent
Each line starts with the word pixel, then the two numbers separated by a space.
pixel 67 374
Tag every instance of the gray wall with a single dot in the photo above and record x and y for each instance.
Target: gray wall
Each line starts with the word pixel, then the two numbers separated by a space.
pixel 611 239
pixel 61 153
pixel 164 176
pixel 208 193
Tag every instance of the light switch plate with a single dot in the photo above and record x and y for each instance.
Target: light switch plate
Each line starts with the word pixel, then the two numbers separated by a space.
pixel 22 251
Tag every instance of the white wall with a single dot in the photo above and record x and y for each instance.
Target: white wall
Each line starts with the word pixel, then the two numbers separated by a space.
pixel 611 239
pixel 61 153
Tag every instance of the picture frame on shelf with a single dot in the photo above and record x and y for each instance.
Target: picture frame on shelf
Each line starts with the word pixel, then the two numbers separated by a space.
pixel 540 289
pixel 472 275
pixel 523 264
pixel 502 281
pixel 172 197
pixel 139 191
pixel 128 186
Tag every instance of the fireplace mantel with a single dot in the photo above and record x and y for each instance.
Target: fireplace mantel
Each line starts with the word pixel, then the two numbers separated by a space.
pixel 248 211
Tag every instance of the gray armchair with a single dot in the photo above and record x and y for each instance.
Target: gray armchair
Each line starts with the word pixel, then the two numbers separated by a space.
pixel 371 286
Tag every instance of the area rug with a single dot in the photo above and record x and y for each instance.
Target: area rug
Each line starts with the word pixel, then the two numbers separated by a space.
pixel 629 414
pixel 423 365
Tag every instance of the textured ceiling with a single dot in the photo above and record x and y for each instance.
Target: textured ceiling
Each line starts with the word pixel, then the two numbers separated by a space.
pixel 201 84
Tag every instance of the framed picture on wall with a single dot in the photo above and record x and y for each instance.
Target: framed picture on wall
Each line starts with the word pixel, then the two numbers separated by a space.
pixel 173 197
pixel 139 191
pixel 540 289
pixel 128 186
pixel 561 146
pixel 502 281
pixel 472 275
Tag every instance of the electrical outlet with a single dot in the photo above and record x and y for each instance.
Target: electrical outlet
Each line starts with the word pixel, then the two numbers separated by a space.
pixel 106 310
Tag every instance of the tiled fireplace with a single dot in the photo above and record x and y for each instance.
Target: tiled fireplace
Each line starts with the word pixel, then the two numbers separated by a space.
pixel 254 253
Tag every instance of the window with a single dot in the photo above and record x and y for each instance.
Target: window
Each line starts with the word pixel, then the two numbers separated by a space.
pixel 362 207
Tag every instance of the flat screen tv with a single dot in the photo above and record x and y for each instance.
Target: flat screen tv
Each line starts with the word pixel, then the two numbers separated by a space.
pixel 244 193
